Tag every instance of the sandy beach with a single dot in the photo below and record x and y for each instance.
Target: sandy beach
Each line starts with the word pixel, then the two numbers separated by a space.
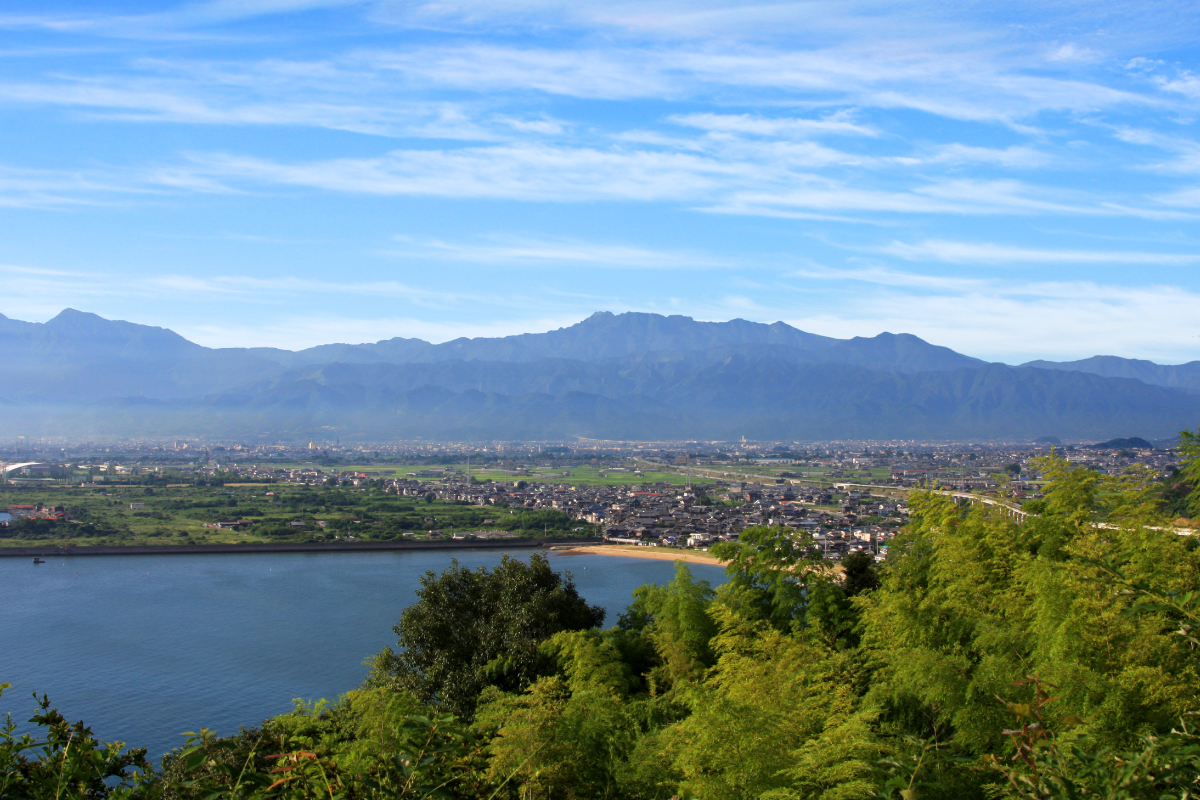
pixel 634 551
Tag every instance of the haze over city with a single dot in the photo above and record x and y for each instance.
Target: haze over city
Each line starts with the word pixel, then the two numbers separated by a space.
pixel 1013 183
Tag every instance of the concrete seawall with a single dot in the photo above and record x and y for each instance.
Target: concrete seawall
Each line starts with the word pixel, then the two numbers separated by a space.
pixel 285 547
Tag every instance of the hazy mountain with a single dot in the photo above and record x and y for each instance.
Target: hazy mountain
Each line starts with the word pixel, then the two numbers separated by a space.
pixel 83 356
pixel 77 334
pixel 611 376
pixel 756 397
pixel 602 335
pixel 1184 376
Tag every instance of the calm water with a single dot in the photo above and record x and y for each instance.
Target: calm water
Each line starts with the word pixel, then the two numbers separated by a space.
pixel 143 648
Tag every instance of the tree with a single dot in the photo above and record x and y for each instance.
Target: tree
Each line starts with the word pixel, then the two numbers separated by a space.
pixel 69 762
pixel 769 571
pixel 1189 448
pixel 676 619
pixel 860 573
pixel 471 629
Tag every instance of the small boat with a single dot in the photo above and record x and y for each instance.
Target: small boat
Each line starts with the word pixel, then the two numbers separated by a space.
pixel 37 560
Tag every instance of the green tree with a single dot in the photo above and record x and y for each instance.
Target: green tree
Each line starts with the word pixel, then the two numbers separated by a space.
pixel 676 620
pixel 860 575
pixel 471 629
pixel 769 570
pixel 1189 448
pixel 69 763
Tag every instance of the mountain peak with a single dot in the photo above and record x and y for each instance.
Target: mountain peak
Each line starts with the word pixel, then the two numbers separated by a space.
pixel 71 316
pixel 75 330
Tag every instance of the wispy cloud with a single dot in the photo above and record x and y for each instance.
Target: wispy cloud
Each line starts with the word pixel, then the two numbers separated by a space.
pixel 583 73
pixel 517 172
pixel 945 196
pixel 170 24
pixel 275 290
pixel 756 184
pixel 22 187
pixel 987 253
pixel 773 126
pixel 1016 321
pixel 513 251
pixel 1014 156
pixel 178 101
pixel 17 269
pixel 963 134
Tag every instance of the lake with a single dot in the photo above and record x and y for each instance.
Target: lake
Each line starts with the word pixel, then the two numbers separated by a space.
pixel 143 648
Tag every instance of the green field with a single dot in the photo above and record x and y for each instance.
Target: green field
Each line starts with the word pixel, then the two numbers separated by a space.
pixel 178 515
pixel 592 476
pixel 751 472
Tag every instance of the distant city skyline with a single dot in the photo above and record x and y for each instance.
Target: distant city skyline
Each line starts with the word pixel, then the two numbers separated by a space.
pixel 1014 184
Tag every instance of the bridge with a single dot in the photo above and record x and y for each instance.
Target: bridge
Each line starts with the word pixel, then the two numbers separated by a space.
pixel 1013 510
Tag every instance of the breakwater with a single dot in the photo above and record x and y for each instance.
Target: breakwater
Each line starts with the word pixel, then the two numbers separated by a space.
pixel 48 550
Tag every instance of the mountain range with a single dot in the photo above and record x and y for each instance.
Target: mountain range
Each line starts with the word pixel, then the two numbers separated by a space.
pixel 611 376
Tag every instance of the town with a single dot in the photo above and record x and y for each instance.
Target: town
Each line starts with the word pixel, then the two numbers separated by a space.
pixel 838 497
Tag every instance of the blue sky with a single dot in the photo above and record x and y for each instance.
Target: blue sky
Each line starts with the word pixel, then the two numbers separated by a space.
pixel 1017 183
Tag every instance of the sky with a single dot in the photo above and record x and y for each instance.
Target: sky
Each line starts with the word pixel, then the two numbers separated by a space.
pixel 1014 181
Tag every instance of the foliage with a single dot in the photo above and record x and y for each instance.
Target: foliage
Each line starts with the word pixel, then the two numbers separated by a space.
pixel 471 629
pixel 1047 765
pixel 68 763
pixel 1189 448
pixel 795 680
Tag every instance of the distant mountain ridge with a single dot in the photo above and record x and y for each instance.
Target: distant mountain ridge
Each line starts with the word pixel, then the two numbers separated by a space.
pixel 602 335
pixel 610 376
pixel 1183 376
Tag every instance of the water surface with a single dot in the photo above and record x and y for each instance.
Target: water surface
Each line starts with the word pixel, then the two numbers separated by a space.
pixel 143 648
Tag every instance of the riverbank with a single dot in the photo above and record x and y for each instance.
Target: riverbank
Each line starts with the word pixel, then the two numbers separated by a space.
pixel 636 551
pixel 284 547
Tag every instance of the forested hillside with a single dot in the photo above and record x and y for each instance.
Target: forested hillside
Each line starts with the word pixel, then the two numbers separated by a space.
pixel 981 659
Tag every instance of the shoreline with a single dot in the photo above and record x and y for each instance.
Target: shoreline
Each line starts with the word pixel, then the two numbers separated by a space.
pixel 285 547
pixel 635 551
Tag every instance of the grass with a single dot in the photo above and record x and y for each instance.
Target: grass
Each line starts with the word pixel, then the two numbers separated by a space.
pixel 177 515
pixel 583 474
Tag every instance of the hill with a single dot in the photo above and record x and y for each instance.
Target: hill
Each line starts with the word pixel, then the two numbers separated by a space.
pixel 1127 443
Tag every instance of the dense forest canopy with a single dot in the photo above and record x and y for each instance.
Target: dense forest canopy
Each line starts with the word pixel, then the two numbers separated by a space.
pixel 983 658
